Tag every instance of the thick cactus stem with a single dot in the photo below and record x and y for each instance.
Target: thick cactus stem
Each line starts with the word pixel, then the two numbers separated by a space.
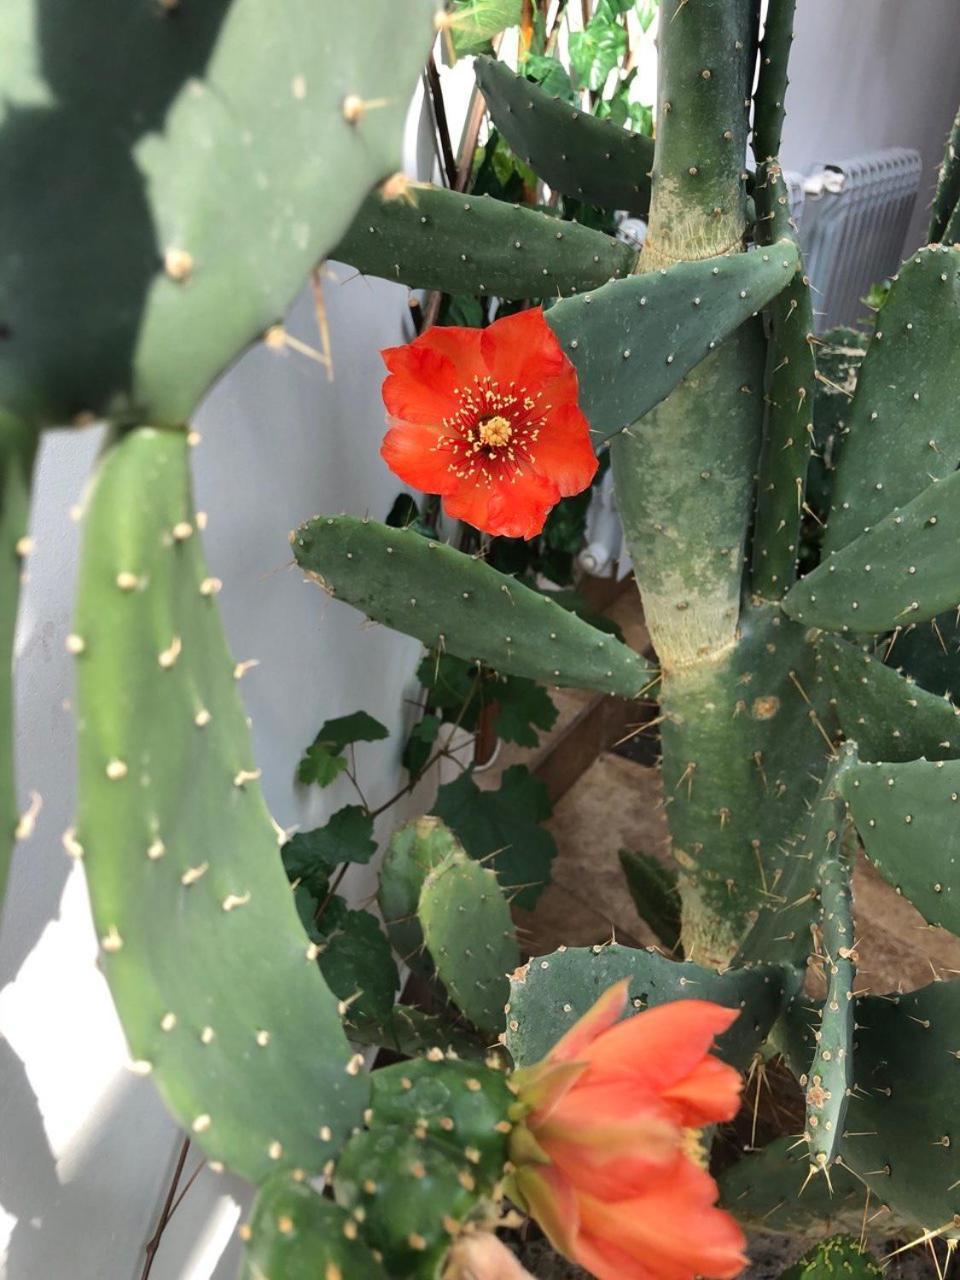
pixel 17 447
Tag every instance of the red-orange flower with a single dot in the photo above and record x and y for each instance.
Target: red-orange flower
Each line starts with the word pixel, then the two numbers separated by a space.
pixel 488 419
pixel 607 1155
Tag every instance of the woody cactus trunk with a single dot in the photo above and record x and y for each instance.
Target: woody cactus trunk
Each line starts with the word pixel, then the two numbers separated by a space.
pixel 788 742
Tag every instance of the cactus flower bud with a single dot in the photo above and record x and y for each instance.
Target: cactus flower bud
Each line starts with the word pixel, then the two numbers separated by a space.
pixel 607 1155
pixel 488 419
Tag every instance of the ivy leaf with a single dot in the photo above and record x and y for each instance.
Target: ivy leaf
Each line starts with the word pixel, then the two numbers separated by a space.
pixel 523 707
pixel 324 759
pixel 420 744
pixel 475 22
pixel 356 960
pixel 310 856
pixel 597 49
pixel 551 75
pixel 504 824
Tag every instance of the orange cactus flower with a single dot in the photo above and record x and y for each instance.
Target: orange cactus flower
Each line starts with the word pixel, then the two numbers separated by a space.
pixel 607 1156
pixel 488 419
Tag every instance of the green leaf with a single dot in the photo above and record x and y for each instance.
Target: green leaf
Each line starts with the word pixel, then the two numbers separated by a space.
pixel 595 51
pixel 323 760
pixel 420 744
pixel 502 826
pixel 523 707
pixel 356 958
pixel 476 21
pixel 550 75
pixel 310 856
pixel 646 12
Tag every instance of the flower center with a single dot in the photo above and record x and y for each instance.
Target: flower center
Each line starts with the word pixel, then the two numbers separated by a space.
pixel 693 1147
pixel 495 431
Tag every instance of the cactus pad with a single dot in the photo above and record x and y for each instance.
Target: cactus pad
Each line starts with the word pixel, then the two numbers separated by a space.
pixel 947 196
pixel 189 143
pixel 433 238
pixel 592 160
pixel 295 1234
pixel 763 1192
pixel 634 340
pixel 903 428
pixel 908 817
pixel 470 936
pixel 550 993
pixel 447 599
pixel 181 855
pixel 838 1258
pixel 413 852
pixel 903 570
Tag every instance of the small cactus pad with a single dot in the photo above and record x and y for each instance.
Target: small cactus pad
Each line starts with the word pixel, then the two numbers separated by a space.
pixel 460 1105
pixel 908 817
pixel 447 599
pixel 634 340
pixel 903 427
pixel 653 888
pixel 889 717
pixel 410 1031
pixel 189 142
pixel 411 1193
pixel 763 1192
pixel 550 993
pixel 592 160
pixel 900 1134
pixel 784 924
pixel 433 238
pixel 904 569
pixel 838 1258
pixel 829 1080
pixel 744 744
pixel 295 1234
pixel 413 852
pixel 769 99
pixel 17 447
pixel 181 855
pixel 470 936
pixel 947 196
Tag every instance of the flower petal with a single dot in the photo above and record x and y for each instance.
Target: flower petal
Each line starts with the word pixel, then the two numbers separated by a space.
pixel 709 1093
pixel 598 1019
pixel 660 1047
pixel 519 507
pixel 563 450
pixel 470 503
pixel 548 1197
pixel 610 1118
pixel 415 454
pixel 674 1227
pixel 523 349
pixel 620 1177
pixel 425 375
pixel 541 1086
pixel 604 1260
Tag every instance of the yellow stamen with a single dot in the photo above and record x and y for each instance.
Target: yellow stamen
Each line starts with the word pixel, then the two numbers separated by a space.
pixel 495 431
pixel 693 1147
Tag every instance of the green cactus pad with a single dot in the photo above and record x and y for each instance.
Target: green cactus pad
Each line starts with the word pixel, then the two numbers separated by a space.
pixel 763 1192
pixel 462 1106
pixel 830 1078
pixel 903 427
pixel 433 238
pixel 573 152
pixel 947 196
pixel 181 855
pixel 900 1134
pixel 413 1194
pixel 783 928
pixel 769 99
pixel 634 340
pixel 790 390
pixel 470 936
pixel 551 992
pixel 17 447
pixel 929 654
pixel 413 852
pixel 889 717
pixel 653 888
pixel 839 1258
pixel 295 1234
pixel 908 817
pixel 839 354
pixel 905 569
pixel 447 599
pixel 745 740
pixel 410 1031
pixel 190 144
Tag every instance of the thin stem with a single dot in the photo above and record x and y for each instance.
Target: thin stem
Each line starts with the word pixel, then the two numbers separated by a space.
pixel 153 1244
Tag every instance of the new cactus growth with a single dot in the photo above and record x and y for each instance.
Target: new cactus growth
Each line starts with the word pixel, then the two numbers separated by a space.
pixel 234 144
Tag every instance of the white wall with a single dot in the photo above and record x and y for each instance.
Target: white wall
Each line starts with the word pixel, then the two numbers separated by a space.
pixel 874 73
pixel 87 1147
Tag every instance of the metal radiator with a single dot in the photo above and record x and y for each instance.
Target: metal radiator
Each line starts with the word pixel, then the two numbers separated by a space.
pixel 853 217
